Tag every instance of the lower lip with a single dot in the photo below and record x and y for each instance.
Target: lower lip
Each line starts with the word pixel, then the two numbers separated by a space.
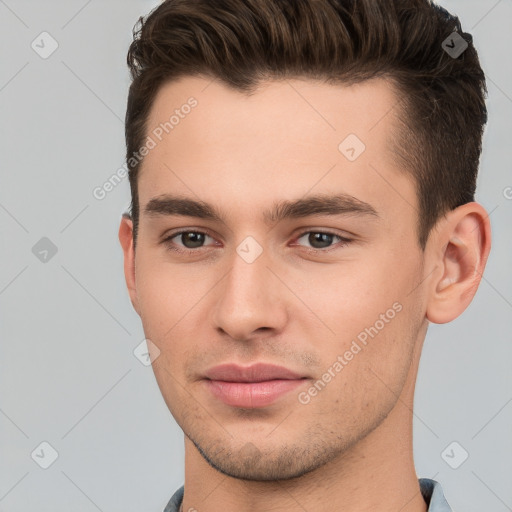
pixel 251 395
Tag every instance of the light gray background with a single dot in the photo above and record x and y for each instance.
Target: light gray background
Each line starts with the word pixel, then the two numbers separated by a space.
pixel 68 374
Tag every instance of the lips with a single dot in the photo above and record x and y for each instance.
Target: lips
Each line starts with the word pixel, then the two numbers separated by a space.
pixel 251 387
pixel 258 372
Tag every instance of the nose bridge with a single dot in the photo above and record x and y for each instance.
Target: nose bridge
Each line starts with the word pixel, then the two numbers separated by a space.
pixel 248 297
pixel 249 281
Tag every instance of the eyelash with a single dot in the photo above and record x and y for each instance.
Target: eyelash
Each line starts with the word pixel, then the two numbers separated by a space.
pixel 170 245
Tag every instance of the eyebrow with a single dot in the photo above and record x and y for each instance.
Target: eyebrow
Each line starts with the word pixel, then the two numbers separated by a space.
pixel 320 204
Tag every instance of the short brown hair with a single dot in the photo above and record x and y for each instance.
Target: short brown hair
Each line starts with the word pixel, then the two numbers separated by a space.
pixel 442 109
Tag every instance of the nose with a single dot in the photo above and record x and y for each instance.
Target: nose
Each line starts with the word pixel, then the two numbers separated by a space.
pixel 250 300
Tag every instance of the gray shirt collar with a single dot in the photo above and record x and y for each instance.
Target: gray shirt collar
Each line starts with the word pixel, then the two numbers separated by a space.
pixel 430 489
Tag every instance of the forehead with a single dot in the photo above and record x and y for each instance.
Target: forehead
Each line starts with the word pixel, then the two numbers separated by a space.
pixel 295 110
pixel 281 141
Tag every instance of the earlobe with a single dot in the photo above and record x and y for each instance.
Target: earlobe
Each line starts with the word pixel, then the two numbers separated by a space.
pixel 462 243
pixel 126 240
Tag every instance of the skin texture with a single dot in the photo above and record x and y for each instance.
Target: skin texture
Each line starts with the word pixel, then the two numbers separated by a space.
pixel 350 447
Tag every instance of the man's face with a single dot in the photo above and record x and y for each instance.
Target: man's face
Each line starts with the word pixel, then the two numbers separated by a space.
pixel 343 310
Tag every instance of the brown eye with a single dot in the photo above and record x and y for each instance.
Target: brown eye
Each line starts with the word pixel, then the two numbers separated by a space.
pixel 192 239
pixel 186 241
pixel 320 240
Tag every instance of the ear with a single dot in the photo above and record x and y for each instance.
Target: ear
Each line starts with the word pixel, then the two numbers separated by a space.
pixel 126 239
pixel 460 246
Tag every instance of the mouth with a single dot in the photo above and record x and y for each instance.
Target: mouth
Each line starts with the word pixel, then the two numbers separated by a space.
pixel 251 387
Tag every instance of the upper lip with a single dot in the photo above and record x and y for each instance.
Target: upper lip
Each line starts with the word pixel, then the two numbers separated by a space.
pixel 258 372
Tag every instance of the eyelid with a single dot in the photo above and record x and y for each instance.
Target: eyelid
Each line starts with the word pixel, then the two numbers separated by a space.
pixel 166 240
pixel 344 240
pixel 342 243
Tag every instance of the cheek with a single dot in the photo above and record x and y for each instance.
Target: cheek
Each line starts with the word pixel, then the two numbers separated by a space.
pixel 370 370
pixel 350 297
pixel 373 321
pixel 165 294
